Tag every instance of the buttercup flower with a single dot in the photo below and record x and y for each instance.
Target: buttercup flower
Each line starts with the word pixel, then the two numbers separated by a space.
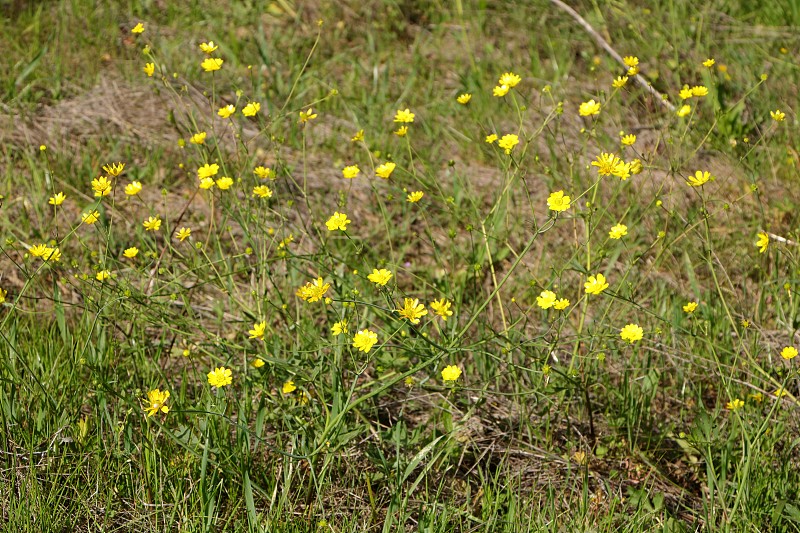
pixel 288 387
pixel 385 170
pixel 364 340
pixel 103 275
pixel 685 93
pixel 631 333
pixel 404 116
pixel 131 252
pixel 401 131
pixel 788 353
pixel 155 402
pixel 258 363
pixel 3 294
pixel 208 47
pixel 709 62
pixel 210 64
pixel 606 163
pixel 359 136
pixel 630 61
pixel 508 142
pixel 763 242
pixel 262 191
pixel 338 221
pixel 305 116
pixel 220 377
pixel 500 90
pixel 152 224
pixel 619 82
pixel 114 169
pixel 183 234
pixel 622 170
pixel 628 140
pixel 690 307
pixel 380 277
pixel 442 308
pixel 636 166
pixel 90 217
pixel 734 405
pixel 133 188
pixel 224 183
pixel 206 183
pixel 777 115
pixel 415 196
pixel 595 284
pixel 149 69
pixel 57 199
pixel 510 79
pixel 226 111
pixel 251 109
pixel 313 291
pixel 264 173
pixel 198 138
pixel 338 328
pixel 699 90
pixel 139 28
pixel 258 331
pixel 101 186
pixel 700 178
pixel 491 138
pixel 464 99
pixel 350 171
pixel 207 171
pixel 546 299
pixel 37 250
pixel 558 201
pixel 451 373
pixel 618 231
pixel 561 304
pixel 52 254
pixel 684 110
pixel 589 108
pixel 412 310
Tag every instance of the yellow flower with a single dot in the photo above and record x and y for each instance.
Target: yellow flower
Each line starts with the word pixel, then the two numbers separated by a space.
pixel 313 291
pixel 622 170
pixel 183 234
pixel 700 178
pixel 305 116
pixel 57 199
pixel 442 308
pixel 630 61
pixel 133 188
pixel 491 138
pixel 264 173
pixel 684 110
pixel 139 28
pixel 338 221
pixel 103 275
pixel 464 99
pixel 631 333
pixel 210 64
pixel 619 82
pixel 359 136
pixel 149 69
pixel 404 116
pixel 618 231
pixel 206 183
pixel 152 224
pixel 288 387
pixel 262 191
pixel 508 142
pixel 338 328
pixel 412 310
pixel 258 331
pixel 756 397
pixel 206 171
pixel 633 71
pixel 415 196
pixel 558 201
pixel 628 140
pixel 788 353
pixel 595 284
pixel 364 340
pixel 251 109
pixel 589 108
pixel 52 254
pixel 546 299
pixel 385 170
pixel 258 363
pixel 500 90
pixel 734 405
pixel 561 304
pixel 709 62
pixel 90 217
pixel 350 171
pixel 220 377
pixel 131 252
pixel 3 294
pixel 763 242
pixel 685 93
pixel 101 186
pixel 38 250
pixel 208 47
pixel 636 166
pixel 780 392
pixel 605 163
pixel 226 111
pixel 401 131
pixel 380 277
pixel 198 138
pixel 777 115
pixel 690 307
pixel 155 402
pixel 114 169
pixel 699 90
pixel 224 183
pixel 451 373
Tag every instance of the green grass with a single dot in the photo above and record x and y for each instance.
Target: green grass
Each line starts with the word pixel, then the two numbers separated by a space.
pixel 556 423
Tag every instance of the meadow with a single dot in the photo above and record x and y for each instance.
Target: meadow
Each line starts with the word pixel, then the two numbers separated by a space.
pixel 399 265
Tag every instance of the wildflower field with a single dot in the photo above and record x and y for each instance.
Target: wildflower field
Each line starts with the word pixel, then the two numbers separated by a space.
pixel 399 265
